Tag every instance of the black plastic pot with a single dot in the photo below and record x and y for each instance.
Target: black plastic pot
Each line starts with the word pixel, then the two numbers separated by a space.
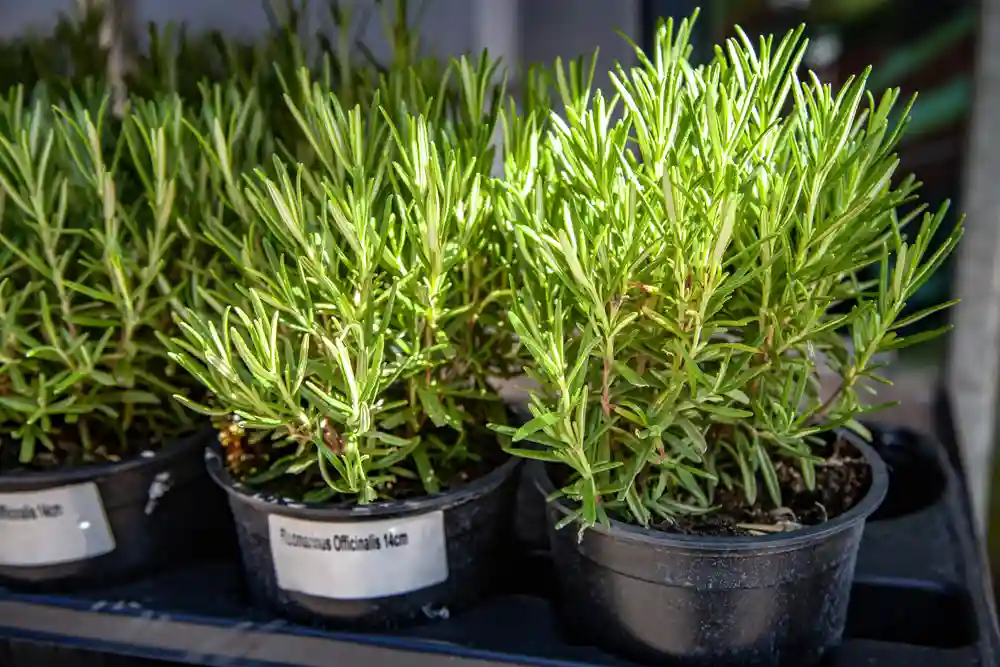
pixel 710 601
pixel 378 566
pixel 104 523
pixel 918 600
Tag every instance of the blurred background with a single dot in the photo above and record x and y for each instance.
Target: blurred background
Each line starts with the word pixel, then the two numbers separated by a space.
pixel 949 51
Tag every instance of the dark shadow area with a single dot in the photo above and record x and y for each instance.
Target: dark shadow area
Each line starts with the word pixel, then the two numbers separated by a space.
pixel 916 480
pixel 911 612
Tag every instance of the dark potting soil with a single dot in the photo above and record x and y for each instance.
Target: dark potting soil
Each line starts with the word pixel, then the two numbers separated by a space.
pixel 482 455
pixel 69 452
pixel 842 480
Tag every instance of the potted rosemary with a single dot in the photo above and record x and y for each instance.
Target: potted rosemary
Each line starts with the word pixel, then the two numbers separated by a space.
pixel 690 261
pixel 349 366
pixel 101 472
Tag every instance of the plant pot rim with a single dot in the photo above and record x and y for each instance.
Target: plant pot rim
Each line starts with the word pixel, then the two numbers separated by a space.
pixel 742 543
pixel 19 480
pixel 383 509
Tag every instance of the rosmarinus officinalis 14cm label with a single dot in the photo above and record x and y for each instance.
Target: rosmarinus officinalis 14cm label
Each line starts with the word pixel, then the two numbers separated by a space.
pixel 368 316
pixel 693 243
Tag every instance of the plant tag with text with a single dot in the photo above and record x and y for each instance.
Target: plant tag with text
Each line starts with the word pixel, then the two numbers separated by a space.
pixel 59 525
pixel 360 559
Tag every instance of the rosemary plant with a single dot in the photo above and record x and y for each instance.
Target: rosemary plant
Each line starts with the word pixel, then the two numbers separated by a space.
pixel 101 223
pixel 64 60
pixel 273 67
pixel 686 243
pixel 90 257
pixel 369 315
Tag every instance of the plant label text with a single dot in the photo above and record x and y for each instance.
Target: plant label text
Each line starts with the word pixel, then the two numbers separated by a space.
pixel 360 559
pixel 58 525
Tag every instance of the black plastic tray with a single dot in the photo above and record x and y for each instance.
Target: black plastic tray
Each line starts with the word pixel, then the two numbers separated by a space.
pixel 919 600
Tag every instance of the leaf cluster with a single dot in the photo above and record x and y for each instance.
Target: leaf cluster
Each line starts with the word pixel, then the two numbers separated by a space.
pixel 691 246
pixel 352 355
pixel 180 62
pixel 68 58
pixel 100 217
pixel 91 260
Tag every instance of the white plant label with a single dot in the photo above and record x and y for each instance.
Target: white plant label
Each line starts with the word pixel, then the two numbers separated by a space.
pixel 361 559
pixel 58 525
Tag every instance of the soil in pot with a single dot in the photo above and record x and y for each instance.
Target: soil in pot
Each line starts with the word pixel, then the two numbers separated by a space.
pixel 378 566
pixel 717 593
pixel 103 522
pixel 842 480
